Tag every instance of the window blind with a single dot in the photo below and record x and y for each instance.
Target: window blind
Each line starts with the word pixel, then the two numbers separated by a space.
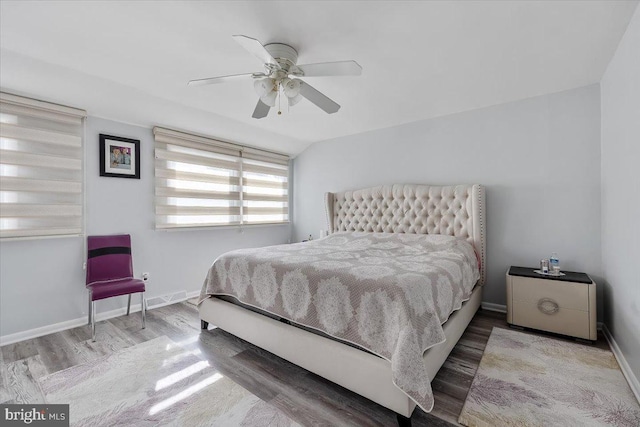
pixel 265 187
pixel 202 182
pixel 41 168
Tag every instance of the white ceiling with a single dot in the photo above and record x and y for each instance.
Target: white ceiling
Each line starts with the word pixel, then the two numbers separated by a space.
pixel 130 61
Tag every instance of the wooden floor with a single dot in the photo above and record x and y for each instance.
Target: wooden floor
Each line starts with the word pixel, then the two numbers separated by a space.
pixel 305 397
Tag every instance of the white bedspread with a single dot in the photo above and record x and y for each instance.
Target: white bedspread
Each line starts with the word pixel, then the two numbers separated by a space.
pixel 388 293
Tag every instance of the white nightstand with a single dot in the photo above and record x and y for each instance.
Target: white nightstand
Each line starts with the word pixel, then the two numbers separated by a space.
pixel 565 305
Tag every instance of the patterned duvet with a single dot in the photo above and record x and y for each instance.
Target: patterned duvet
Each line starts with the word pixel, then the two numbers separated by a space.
pixel 388 293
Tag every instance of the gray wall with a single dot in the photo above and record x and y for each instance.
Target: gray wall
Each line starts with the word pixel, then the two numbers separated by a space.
pixel 42 281
pixel 539 159
pixel 620 194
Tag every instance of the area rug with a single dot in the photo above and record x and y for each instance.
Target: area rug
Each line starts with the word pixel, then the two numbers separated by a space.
pixel 529 380
pixel 156 383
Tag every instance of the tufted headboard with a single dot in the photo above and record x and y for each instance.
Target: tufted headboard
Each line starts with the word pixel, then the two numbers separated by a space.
pixel 456 210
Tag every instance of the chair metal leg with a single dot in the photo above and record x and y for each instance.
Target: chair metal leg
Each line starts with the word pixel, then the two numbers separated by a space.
pixel 90 308
pixel 93 321
pixel 143 309
pixel 129 305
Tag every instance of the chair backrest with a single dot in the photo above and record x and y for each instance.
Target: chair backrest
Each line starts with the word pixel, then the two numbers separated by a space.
pixel 109 258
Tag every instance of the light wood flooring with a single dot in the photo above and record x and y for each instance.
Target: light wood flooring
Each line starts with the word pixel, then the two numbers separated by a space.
pixel 305 397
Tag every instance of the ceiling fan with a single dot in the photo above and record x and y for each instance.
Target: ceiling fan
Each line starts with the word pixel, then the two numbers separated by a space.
pixel 282 76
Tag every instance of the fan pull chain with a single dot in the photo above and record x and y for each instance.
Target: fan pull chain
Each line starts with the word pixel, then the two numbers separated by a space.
pixel 279 99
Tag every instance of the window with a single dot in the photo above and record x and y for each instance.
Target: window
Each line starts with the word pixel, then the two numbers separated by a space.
pixel 41 168
pixel 202 182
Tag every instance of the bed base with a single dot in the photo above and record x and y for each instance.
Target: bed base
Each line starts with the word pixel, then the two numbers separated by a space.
pixel 403 421
pixel 363 373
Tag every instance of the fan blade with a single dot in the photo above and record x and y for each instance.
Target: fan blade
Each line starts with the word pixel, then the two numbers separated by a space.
pixel 339 68
pixel 257 49
pixel 261 110
pixel 318 98
pixel 221 79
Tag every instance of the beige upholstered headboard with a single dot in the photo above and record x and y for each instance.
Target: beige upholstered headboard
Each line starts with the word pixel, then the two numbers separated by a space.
pixel 456 210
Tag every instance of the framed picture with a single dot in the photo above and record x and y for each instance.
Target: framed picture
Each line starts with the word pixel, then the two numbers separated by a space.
pixel 119 157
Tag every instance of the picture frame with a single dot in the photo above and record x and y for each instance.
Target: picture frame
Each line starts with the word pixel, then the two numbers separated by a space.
pixel 119 157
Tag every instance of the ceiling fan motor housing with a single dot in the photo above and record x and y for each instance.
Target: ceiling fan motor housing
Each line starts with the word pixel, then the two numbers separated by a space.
pixel 283 53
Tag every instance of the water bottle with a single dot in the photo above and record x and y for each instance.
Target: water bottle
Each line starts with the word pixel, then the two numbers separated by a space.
pixel 554 264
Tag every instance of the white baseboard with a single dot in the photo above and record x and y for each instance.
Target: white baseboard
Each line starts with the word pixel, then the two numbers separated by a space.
pixel 80 321
pixel 494 307
pixel 634 384
pixel 167 299
pixel 44 330
pixel 62 326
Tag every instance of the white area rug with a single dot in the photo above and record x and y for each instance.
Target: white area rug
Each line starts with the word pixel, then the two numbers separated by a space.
pixel 528 380
pixel 156 383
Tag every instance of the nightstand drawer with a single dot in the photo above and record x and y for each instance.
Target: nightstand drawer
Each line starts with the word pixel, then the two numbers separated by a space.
pixel 574 296
pixel 564 321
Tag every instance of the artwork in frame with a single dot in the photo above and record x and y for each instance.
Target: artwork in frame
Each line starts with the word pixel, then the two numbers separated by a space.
pixel 119 157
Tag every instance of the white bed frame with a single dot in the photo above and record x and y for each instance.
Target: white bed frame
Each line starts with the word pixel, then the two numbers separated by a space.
pixel 452 210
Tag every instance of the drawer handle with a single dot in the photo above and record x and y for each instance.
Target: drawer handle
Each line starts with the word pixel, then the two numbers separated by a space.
pixel 548 306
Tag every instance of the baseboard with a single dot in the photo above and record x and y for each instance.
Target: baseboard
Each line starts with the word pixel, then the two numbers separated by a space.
pixel 167 299
pixel 80 321
pixel 44 330
pixel 63 326
pixel 494 307
pixel 634 384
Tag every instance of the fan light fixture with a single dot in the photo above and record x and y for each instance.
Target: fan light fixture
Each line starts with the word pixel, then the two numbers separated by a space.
pixel 291 87
pixel 270 98
pixel 268 90
pixel 264 86
pixel 293 101
pixel 292 91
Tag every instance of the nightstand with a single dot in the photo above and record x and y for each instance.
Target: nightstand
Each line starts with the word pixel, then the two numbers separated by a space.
pixel 564 304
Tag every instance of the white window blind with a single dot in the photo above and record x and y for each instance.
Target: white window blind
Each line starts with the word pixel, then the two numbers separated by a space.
pixel 202 182
pixel 41 168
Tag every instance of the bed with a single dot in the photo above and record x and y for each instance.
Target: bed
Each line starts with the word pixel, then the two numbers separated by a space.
pixel 397 222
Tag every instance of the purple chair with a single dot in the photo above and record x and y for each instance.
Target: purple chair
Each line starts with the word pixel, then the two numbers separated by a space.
pixel 110 273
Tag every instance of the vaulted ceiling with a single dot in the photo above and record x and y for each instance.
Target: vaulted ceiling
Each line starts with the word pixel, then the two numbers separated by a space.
pixel 130 61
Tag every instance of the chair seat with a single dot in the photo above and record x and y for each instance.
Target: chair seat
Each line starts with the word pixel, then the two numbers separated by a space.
pixel 114 288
